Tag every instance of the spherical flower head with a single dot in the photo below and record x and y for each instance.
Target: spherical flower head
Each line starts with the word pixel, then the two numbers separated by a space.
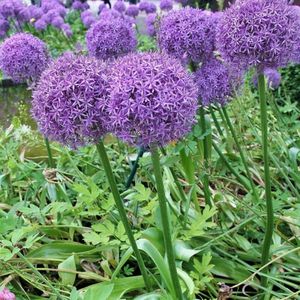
pixel 40 25
pixel 23 57
pixel 153 99
pixel 5 294
pixel 132 11
pixel 57 22
pixel 216 82
pixel 187 34
pixel 4 25
pixel 7 8
pixel 35 12
pixel 273 78
pixel 147 7
pixel 70 99
pixel 77 5
pixel 150 24
pixel 166 5
pixel 110 38
pixel 258 33
pixel 120 6
pixel 88 21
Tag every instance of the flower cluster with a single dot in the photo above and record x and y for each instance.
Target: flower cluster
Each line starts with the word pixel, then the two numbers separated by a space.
pixel 166 5
pixel 81 6
pixel 259 33
pixel 120 6
pixel 23 57
pixel 150 24
pixel 5 294
pixel 147 7
pixel 132 11
pixel 70 99
pixel 153 99
pixel 215 82
pixel 110 38
pixel 87 18
pixel 187 34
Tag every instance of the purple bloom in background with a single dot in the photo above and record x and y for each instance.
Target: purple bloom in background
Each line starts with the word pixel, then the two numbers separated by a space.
pixel 187 34
pixel 35 12
pixel 153 99
pixel 147 7
pixel 66 28
pixel 150 24
pixel 273 78
pixel 110 38
pixel 70 99
pixel 132 11
pixel 88 20
pixel 4 25
pixel 57 22
pixel 259 33
pixel 23 57
pixel 40 25
pixel 77 5
pixel 5 294
pixel 143 5
pixel 215 82
pixel 166 5
pixel 120 6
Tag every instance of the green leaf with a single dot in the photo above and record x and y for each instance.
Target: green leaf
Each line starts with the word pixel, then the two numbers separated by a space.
pixel 98 292
pixel 66 277
pixel 183 251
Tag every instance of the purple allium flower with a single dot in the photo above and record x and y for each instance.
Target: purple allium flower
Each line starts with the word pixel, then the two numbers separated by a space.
pixel 147 7
pixel 101 7
pixel 260 33
pixel 66 28
pixel 7 8
pixel 77 5
pixel 23 57
pixel 35 12
pixel 132 11
pixel 88 21
pixel 273 78
pixel 150 24
pixel 40 24
pixel 215 82
pixel 5 294
pixel 153 99
pixel 166 5
pixel 120 6
pixel 109 38
pixel 70 99
pixel 4 25
pixel 143 5
pixel 187 34
pixel 57 22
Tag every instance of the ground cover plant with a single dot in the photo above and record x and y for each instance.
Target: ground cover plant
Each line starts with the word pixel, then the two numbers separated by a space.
pixel 149 152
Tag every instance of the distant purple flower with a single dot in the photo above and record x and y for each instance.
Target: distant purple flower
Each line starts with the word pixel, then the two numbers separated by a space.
pixel 153 99
pixel 88 21
pixel 66 28
pixel 143 5
pixel 35 12
pixel 101 7
pixel 187 34
pixel 7 8
pixel 77 5
pixel 110 38
pixel 5 294
pixel 132 11
pixel 4 25
pixel 259 33
pixel 273 78
pixel 109 14
pixel 40 25
pixel 120 6
pixel 70 99
pixel 147 7
pixel 215 82
pixel 166 5
pixel 23 57
pixel 57 22
pixel 150 24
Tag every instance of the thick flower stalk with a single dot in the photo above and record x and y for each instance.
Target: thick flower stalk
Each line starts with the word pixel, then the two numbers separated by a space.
pixel 273 78
pixel 110 38
pixel 153 101
pixel 187 34
pixel 23 57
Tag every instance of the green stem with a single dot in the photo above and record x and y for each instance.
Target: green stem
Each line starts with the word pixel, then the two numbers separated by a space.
pixel 122 212
pixel 165 221
pixel 243 158
pixel 189 170
pixel 213 115
pixel 231 169
pixel 134 168
pixel 207 194
pixel 50 157
pixel 269 205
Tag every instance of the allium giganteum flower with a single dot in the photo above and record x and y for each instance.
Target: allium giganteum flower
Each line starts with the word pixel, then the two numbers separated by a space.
pixel 215 82
pixel 153 100
pixel 69 101
pixel 187 34
pixel 23 57
pixel 110 38
pixel 260 33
